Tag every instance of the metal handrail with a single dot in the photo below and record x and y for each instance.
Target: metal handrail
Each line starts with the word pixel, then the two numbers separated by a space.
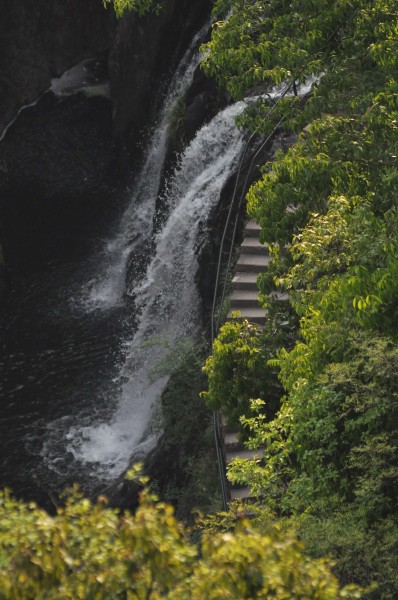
pixel 216 324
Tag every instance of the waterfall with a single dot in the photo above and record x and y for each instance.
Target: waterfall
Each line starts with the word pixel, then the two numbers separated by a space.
pixel 135 227
pixel 167 296
pixel 80 385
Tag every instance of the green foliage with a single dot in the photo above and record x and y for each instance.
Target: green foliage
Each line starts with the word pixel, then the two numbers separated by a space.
pixel 260 45
pixel 90 551
pixel 185 470
pixel 328 212
pixel 176 120
pixel 141 7
pixel 364 552
pixel 332 446
pixel 237 367
pixel 238 511
pixel 178 353
pixel 248 565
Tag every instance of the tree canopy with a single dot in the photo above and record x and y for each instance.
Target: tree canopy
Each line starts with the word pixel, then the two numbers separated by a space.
pixel 328 212
pixel 89 551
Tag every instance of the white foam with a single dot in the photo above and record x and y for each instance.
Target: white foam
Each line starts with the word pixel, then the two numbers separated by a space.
pixel 168 296
pixel 135 226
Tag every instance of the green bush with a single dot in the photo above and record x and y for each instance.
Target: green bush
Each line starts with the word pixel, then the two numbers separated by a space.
pixel 91 552
pixel 141 7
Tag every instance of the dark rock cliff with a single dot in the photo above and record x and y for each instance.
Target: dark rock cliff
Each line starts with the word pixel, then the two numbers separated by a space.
pixel 63 160
pixel 39 39
pixel 143 51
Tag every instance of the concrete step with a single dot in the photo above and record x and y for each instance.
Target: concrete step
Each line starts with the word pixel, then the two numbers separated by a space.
pixel 252 245
pixel 225 427
pixel 253 263
pixel 290 140
pixel 244 281
pixel 240 493
pixel 253 315
pixel 248 454
pixel 230 430
pixel 244 298
pixel 232 442
pixel 252 229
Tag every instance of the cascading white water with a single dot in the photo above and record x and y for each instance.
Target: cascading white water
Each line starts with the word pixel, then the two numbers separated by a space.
pixel 135 227
pixel 168 297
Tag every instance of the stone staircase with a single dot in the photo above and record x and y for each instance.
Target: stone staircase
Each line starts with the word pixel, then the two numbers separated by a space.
pixel 233 448
pixel 253 259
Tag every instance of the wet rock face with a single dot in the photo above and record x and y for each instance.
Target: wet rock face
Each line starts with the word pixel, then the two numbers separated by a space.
pixel 204 100
pixel 59 177
pixel 144 51
pixel 59 159
pixel 39 39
